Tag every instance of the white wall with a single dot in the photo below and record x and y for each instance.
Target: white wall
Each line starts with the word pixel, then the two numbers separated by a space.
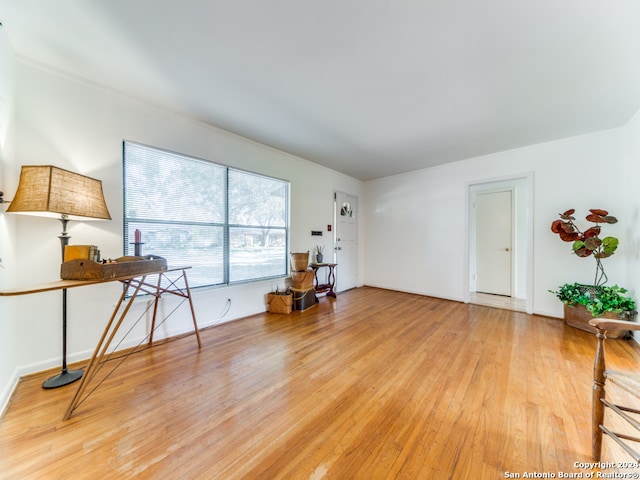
pixel 8 329
pixel 80 127
pixel 415 223
pixel 632 202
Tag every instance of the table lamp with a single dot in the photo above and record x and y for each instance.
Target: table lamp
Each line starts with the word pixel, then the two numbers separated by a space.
pixel 48 191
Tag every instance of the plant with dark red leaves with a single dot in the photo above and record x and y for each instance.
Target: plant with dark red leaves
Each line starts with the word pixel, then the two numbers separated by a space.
pixel 588 243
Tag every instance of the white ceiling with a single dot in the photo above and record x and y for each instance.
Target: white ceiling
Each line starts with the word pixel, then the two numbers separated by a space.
pixel 367 87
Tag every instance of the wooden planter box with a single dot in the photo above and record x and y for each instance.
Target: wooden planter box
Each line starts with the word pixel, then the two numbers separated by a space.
pixel 579 316
pixel 85 269
pixel 279 303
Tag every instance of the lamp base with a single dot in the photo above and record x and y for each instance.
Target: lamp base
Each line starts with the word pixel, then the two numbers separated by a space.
pixel 64 378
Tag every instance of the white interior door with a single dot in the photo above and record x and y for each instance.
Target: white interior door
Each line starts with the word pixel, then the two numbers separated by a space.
pixel 494 227
pixel 346 241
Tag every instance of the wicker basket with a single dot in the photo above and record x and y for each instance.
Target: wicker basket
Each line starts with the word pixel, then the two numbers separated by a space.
pixel 279 303
pixel 299 261
pixel 303 298
pixel 302 280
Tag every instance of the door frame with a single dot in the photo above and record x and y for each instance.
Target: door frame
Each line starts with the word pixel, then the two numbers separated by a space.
pixel 528 181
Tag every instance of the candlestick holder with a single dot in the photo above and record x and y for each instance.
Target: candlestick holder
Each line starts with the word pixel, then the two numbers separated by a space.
pixel 137 248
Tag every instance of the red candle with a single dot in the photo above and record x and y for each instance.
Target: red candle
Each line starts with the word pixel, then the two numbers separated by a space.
pixel 138 236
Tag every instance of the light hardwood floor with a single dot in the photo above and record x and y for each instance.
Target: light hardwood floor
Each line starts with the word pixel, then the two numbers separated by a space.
pixel 374 385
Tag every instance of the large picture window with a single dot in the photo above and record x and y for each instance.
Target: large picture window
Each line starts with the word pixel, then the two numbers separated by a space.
pixel 229 225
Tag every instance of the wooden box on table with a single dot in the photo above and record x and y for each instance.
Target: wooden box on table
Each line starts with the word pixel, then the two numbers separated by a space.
pixel 85 269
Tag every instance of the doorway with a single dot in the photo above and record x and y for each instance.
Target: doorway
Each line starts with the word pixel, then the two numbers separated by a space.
pixel 345 240
pixel 500 256
pixel 494 239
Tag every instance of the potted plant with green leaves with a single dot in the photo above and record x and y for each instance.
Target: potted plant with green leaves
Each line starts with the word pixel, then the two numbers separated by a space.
pixel 319 253
pixel 583 302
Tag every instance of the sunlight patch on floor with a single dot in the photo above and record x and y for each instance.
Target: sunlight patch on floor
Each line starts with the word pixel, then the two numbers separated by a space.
pixel 319 473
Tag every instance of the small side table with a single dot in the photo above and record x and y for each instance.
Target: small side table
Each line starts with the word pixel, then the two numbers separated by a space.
pixel 331 278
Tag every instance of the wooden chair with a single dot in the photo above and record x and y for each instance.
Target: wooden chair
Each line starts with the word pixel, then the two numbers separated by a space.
pixel 627 381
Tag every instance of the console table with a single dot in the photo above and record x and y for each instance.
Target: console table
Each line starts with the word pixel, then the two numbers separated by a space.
pixel 331 278
pixel 138 283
